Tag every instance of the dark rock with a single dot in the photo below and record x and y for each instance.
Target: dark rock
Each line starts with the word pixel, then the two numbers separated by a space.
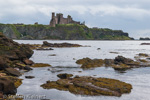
pixel 3 64
pixel 121 59
pixel 7 86
pixel 27 68
pixel 145 43
pixel 46 44
pixel 64 76
pixel 28 62
pixel 41 48
pixel 12 71
pixel 29 77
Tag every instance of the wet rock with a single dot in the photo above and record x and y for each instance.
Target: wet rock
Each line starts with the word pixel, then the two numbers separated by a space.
pixel 41 48
pixel 23 66
pixel 90 63
pixel 118 63
pixel 121 59
pixel 98 48
pixel 114 52
pixel 7 86
pixel 143 55
pixel 145 43
pixel 109 62
pixel 27 68
pixel 3 64
pixel 90 86
pixel 13 72
pixel 46 44
pixel 29 77
pixel 64 76
pixel 52 55
pixel 28 62
pixel 40 65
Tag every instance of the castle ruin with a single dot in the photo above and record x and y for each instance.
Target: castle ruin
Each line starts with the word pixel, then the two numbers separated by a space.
pixel 59 19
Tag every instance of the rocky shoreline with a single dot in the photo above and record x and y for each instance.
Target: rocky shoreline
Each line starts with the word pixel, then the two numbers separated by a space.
pixel 15 58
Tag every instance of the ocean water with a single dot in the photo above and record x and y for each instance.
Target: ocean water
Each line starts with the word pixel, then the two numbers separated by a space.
pixel 64 62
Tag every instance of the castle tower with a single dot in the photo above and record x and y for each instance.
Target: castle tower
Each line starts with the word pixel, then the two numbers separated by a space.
pixel 53 21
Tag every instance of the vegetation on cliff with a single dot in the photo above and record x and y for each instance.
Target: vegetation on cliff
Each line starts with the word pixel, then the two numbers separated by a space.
pixel 62 32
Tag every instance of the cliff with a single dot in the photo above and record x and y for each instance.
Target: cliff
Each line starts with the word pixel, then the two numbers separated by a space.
pixel 61 32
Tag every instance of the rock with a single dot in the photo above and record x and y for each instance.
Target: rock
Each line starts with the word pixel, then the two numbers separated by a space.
pixel 28 62
pixel 12 71
pixel 29 77
pixel 3 64
pixel 90 86
pixel 90 63
pixel 7 86
pixel 64 76
pixel 41 48
pixel 40 65
pixel 52 55
pixel 143 55
pixel 98 48
pixel 145 43
pixel 46 44
pixel 118 63
pixel 108 62
pixel 121 59
pixel 27 68
pixel 1 95
pixel 114 52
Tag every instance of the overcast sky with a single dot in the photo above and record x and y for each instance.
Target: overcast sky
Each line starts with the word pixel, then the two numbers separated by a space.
pixel 132 16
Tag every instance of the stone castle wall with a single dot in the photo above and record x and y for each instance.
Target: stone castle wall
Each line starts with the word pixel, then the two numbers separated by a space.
pixel 59 19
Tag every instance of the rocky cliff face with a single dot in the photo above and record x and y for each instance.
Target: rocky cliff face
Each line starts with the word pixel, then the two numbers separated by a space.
pixel 62 32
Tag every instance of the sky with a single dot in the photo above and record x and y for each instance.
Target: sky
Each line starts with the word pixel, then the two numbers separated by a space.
pixel 131 16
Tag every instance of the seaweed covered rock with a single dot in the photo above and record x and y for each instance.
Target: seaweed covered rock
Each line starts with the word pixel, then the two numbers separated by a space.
pixel 41 65
pixel 46 44
pixel 90 63
pixel 90 86
pixel 119 63
pixel 64 76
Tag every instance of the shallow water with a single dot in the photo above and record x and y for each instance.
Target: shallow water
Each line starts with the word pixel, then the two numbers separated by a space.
pixel 138 77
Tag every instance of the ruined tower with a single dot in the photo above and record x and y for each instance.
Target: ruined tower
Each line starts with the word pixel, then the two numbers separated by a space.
pixel 53 21
pixel 59 19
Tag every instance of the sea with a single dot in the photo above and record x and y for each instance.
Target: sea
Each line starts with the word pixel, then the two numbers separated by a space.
pixel 64 62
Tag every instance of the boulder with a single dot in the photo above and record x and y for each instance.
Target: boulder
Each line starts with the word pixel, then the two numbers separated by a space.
pixel 29 77
pixel 13 72
pixel 64 76
pixel 28 62
pixel 7 86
